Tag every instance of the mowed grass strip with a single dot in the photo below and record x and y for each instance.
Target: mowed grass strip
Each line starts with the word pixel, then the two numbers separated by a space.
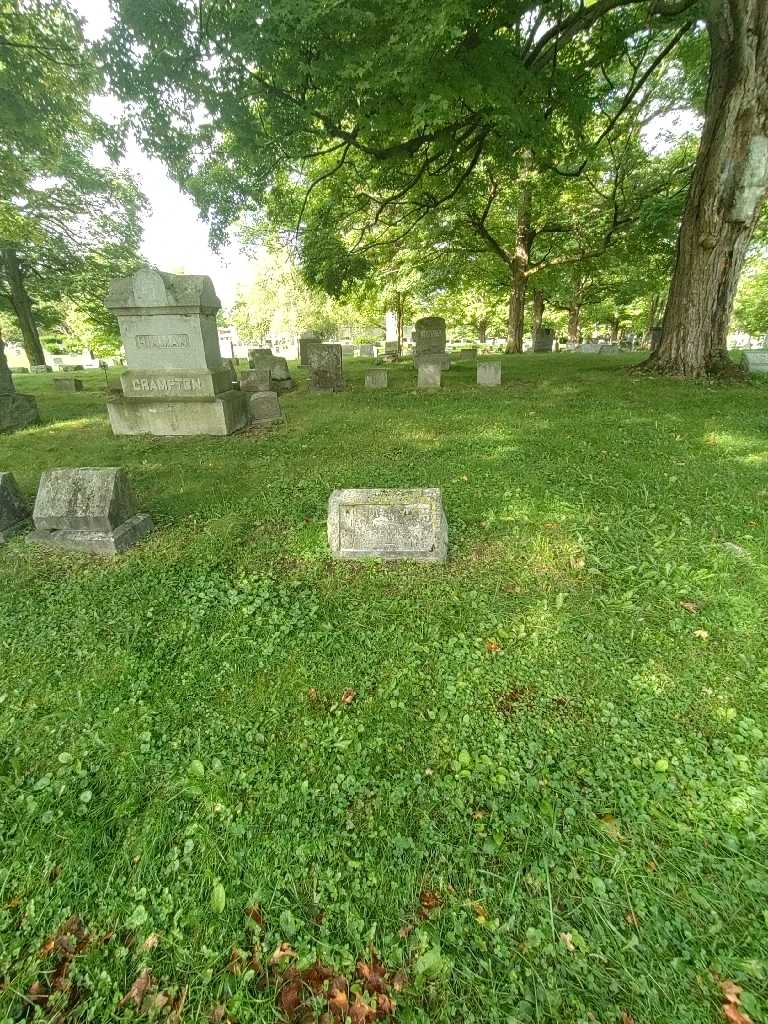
pixel 533 780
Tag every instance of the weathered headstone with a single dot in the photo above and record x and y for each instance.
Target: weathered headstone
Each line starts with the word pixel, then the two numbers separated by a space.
pixel 609 350
pixel 429 373
pixel 325 368
pixel 369 351
pixel 376 378
pixel 176 382
pixel 256 380
pixel 41 368
pixel 68 384
pixel 14 513
pixel 589 348
pixel 264 408
pixel 390 350
pixel 87 510
pixel 467 355
pixel 756 360
pixel 489 374
pixel 16 411
pixel 429 341
pixel 307 341
pixel 262 359
pixel 388 524
pixel 544 339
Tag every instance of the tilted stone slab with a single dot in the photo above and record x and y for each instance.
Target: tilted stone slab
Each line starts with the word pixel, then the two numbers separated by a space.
pixel 756 360
pixel 307 341
pixel 87 509
pixel 392 524
pixel 264 408
pixel 14 512
pixel 256 380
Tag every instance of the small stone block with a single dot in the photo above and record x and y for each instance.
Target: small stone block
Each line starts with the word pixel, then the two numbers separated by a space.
pixel 376 379
pixel 429 375
pixel 40 368
pixel 264 408
pixel 756 360
pixel 14 513
pixel 394 525
pixel 17 411
pixel 87 510
pixel 256 380
pixel 68 384
pixel 489 374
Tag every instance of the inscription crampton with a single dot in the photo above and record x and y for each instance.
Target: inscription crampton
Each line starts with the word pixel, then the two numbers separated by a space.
pixel 172 385
pixel 161 341
pixel 389 524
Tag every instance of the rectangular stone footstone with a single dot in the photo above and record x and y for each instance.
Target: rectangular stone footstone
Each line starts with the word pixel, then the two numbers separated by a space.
pixel 376 379
pixel 264 408
pixel 756 360
pixel 14 513
pixel 256 380
pixel 429 374
pixel 87 509
pixel 392 524
pixel 489 374
pixel 68 384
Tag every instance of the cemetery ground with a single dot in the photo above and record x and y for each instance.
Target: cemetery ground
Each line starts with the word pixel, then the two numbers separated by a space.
pixel 533 780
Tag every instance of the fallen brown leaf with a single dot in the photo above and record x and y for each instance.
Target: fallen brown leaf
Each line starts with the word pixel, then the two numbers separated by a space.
pixel 255 913
pixel 567 940
pixel 690 606
pixel 631 918
pixel 627 1018
pixel 360 1011
pixel 138 990
pixel 348 696
pixel 283 950
pixel 406 930
pixel 151 941
pixel 373 975
pixel 702 634
pixel 735 1015
pixel 312 693
pixel 428 901
pixel 218 1015
pixel 400 980
pixel 578 562
pixel 493 646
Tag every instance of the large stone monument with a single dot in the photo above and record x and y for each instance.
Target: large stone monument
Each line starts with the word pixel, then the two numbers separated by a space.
pixel 389 524
pixel 87 510
pixel 307 341
pixel 429 341
pixel 176 382
pixel 325 363
pixel 16 410
pixel 14 514
pixel 756 360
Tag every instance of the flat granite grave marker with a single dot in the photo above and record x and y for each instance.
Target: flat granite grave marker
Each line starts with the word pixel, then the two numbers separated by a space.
pixel 756 360
pixel 176 382
pixel 429 373
pixel 325 364
pixel 87 509
pixel 14 513
pixel 376 379
pixel 264 408
pixel 489 375
pixel 16 410
pixel 389 524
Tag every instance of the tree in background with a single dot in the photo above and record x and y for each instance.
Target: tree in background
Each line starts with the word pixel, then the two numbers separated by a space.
pixel 751 308
pixel 66 226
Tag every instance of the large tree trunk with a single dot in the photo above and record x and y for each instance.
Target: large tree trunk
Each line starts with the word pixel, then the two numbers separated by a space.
pixel 6 380
pixel 538 311
pixel 519 266
pixel 729 186
pixel 22 306
pixel 400 317
pixel 614 330
pixel 574 316
pixel 482 331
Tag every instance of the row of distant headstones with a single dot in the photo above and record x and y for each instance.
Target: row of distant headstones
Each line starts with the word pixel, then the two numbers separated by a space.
pixel 94 511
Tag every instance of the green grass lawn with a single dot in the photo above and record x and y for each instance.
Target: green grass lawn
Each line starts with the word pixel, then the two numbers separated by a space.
pixel 546 801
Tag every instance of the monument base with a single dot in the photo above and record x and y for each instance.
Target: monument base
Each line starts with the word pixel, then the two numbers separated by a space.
pixel 17 411
pixel 432 357
pixel 224 414
pixel 13 529
pixel 95 543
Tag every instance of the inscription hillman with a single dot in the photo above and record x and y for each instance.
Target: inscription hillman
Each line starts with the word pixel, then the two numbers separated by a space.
pixel 162 341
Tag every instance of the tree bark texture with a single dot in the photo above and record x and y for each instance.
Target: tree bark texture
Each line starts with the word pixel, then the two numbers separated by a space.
pixel 22 306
